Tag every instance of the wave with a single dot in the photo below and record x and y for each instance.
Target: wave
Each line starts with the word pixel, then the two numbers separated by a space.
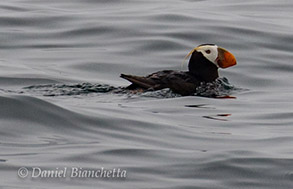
pixel 220 87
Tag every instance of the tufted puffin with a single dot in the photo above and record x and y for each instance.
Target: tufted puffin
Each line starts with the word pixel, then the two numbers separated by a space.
pixel 202 67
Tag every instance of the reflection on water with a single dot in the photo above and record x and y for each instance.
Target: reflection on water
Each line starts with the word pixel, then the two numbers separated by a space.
pixel 217 117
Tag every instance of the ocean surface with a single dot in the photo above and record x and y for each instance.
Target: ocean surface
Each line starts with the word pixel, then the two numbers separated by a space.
pixel 60 62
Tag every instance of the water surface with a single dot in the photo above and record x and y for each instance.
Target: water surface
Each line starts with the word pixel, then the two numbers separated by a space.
pixel 175 142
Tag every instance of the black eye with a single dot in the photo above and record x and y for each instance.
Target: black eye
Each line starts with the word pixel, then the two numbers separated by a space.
pixel 208 51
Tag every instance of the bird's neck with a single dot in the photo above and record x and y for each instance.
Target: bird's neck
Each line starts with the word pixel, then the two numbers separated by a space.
pixel 202 68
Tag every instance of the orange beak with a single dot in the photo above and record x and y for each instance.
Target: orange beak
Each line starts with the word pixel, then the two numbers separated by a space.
pixel 225 58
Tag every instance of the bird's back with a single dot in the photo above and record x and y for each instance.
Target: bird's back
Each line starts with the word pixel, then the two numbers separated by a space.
pixel 180 82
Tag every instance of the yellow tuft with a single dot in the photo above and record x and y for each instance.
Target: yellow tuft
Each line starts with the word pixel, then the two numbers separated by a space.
pixel 188 55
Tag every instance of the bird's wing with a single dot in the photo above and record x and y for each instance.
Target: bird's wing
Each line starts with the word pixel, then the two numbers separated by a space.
pixel 179 82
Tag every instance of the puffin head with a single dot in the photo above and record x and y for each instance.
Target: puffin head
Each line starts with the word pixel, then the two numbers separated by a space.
pixel 206 59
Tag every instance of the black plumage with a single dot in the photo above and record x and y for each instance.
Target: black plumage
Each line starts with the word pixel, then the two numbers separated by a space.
pixel 200 69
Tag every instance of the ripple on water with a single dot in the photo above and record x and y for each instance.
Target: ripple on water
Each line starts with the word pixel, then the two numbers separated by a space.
pixel 219 88
pixel 190 142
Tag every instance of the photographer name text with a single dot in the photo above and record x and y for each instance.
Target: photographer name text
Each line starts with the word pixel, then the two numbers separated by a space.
pixel 72 172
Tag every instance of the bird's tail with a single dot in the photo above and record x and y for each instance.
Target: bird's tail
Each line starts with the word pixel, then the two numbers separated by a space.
pixel 137 80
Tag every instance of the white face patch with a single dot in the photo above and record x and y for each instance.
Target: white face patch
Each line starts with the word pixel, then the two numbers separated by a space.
pixel 210 52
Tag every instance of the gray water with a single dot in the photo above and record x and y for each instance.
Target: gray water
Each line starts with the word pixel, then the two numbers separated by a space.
pixel 47 48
